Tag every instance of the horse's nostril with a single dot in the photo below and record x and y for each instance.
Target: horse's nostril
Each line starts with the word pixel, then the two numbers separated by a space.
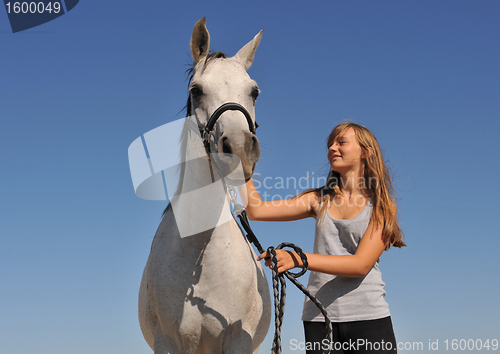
pixel 226 147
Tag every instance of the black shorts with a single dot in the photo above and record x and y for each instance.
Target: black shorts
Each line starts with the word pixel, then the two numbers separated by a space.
pixel 368 337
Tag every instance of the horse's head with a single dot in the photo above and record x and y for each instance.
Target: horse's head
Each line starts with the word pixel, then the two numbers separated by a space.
pixel 218 80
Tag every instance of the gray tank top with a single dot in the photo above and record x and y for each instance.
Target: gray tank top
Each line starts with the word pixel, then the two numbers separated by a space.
pixel 345 299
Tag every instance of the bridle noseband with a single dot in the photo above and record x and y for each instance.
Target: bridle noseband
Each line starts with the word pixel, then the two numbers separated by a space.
pixel 229 106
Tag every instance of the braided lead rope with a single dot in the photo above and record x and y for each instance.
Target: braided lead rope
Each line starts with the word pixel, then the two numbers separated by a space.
pixel 241 213
pixel 279 301
pixel 279 308
pixel 328 324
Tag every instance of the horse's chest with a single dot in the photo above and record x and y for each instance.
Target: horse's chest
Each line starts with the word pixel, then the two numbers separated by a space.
pixel 227 270
pixel 222 275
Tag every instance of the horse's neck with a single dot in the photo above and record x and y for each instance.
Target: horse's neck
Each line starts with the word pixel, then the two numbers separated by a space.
pixel 201 202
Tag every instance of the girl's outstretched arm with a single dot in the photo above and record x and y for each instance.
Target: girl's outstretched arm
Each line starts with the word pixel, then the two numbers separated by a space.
pixel 300 207
pixel 359 264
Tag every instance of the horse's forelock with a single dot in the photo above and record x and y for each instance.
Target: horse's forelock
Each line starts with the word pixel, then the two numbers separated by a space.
pixel 211 56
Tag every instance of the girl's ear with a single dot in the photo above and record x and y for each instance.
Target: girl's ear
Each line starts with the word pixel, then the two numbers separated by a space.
pixel 367 154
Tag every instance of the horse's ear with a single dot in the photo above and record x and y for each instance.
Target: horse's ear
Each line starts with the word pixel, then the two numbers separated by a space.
pixel 200 41
pixel 246 54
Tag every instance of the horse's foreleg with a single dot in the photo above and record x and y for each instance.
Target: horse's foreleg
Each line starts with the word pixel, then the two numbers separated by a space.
pixel 164 345
pixel 237 340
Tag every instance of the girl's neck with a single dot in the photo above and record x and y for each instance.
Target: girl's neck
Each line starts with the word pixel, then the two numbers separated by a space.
pixel 351 184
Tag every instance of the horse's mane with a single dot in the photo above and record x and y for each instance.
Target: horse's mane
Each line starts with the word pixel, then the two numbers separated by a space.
pixel 190 73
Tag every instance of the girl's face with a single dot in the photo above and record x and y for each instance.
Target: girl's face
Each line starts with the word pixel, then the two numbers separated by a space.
pixel 345 153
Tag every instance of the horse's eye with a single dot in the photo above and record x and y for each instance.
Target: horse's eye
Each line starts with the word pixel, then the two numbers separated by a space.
pixel 195 91
pixel 255 94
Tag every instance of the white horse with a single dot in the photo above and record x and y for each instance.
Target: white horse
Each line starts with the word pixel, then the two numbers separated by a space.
pixel 206 293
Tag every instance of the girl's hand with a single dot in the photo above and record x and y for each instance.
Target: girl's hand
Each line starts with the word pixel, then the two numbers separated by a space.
pixel 286 260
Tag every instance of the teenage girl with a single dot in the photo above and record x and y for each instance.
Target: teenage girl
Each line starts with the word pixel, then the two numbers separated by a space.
pixel 356 220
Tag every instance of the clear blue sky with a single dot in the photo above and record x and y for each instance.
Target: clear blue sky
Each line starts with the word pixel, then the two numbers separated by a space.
pixel 423 75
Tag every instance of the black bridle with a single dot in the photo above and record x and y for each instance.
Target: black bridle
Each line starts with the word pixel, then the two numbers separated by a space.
pixel 229 106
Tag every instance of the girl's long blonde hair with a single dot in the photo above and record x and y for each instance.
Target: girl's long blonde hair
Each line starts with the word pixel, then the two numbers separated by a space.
pixel 377 185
